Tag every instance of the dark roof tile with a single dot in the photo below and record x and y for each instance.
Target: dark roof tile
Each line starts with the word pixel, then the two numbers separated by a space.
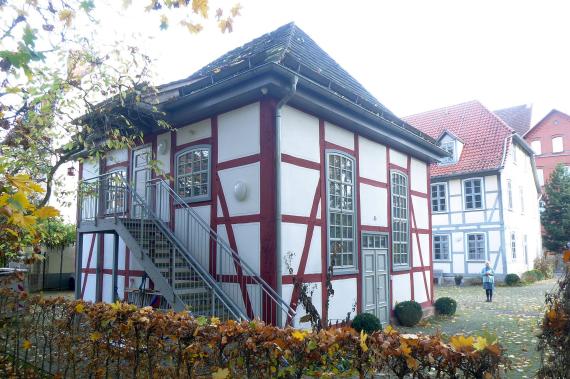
pixel 517 117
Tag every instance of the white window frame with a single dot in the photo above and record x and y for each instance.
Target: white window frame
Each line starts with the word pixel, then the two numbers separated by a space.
pixel 482 186
pixel 445 146
pixel 513 245
pixel 439 198
pixel 534 144
pixel 509 194
pixel 399 243
pixel 540 174
pixel 448 259
pixel 342 269
pixel 554 150
pixel 468 258
pixel 177 176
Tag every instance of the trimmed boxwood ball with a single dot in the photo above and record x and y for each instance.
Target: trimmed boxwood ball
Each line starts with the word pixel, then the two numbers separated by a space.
pixel 512 280
pixel 446 306
pixel 408 313
pixel 367 322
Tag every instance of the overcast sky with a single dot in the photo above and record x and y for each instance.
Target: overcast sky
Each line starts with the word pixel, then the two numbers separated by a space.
pixel 413 56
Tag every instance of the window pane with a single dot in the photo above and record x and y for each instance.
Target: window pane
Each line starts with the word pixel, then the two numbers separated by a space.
pixel 400 243
pixel 192 179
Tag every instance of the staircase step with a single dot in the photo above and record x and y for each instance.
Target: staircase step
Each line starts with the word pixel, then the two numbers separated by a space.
pixel 184 293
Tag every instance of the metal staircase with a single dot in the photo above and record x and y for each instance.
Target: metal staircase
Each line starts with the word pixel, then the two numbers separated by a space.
pixel 188 262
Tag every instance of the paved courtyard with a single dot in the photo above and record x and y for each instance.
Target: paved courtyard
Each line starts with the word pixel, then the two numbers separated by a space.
pixel 514 315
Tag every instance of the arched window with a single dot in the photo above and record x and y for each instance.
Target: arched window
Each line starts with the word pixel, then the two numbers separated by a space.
pixel 193 173
pixel 400 220
pixel 341 210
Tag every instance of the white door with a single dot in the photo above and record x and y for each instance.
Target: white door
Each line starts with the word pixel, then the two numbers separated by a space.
pixel 141 175
pixel 375 267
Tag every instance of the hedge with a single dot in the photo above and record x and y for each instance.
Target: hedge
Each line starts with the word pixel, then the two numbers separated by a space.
pixel 79 339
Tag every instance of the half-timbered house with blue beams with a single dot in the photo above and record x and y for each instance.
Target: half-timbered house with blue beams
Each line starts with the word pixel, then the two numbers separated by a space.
pixel 484 196
pixel 280 165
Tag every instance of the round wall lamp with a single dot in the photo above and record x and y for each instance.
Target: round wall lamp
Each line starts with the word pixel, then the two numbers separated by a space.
pixel 240 191
pixel 162 147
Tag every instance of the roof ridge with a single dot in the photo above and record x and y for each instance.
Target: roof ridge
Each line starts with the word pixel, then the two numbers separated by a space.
pixel 440 109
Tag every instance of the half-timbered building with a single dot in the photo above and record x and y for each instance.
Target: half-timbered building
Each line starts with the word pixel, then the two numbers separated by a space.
pixel 281 169
pixel 484 196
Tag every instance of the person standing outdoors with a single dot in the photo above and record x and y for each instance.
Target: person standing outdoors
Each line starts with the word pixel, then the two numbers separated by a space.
pixel 488 280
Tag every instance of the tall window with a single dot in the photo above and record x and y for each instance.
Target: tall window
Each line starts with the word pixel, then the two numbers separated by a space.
pixel 400 223
pixel 440 247
pixel 540 173
pixel 513 245
pixel 525 247
pixel 521 191
pixel 536 147
pixel 557 145
pixel 476 247
pixel 473 193
pixel 341 210
pixel 510 193
pixel 448 146
pixel 438 198
pixel 193 173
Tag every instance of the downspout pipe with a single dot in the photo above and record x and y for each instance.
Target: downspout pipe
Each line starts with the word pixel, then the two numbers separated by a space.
pixel 279 255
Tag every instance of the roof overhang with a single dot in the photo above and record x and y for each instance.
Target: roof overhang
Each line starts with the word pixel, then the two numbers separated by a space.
pixel 274 80
pixel 465 175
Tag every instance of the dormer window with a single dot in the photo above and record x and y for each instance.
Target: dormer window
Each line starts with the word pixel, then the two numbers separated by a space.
pixel 448 146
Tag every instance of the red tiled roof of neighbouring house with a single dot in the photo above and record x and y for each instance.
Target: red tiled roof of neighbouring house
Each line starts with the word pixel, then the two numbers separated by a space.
pixel 517 117
pixel 482 132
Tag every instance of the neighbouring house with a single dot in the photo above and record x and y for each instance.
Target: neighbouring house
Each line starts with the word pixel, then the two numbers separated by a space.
pixel 55 272
pixel 550 141
pixel 518 117
pixel 280 166
pixel 484 197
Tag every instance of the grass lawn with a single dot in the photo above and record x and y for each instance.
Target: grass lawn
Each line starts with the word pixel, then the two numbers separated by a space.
pixel 513 315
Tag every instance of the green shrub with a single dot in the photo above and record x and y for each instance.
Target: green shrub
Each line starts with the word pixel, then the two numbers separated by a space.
pixel 475 281
pixel 446 306
pixel 512 280
pixel 545 265
pixel 408 313
pixel 367 322
pixel 539 274
pixel 528 277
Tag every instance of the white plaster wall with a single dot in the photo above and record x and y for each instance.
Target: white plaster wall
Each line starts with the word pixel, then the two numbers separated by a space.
pixel 421 212
pixel 372 160
pixel 398 158
pixel 475 267
pixel 164 158
pixel 117 156
pixel 475 217
pixel 194 132
pixel 87 240
pixel 344 299
pixel 439 219
pixel 339 136
pixel 457 242
pixel 455 204
pixel 299 134
pixel 293 242
pixel 373 205
pixel 238 133
pixel 248 174
pixel 108 250
pixel 90 169
pixel 298 186
pixel 495 242
pixel 424 244
pixel 90 288
pixel 527 222
pixel 418 176
pixel 420 291
pixel 401 290
pixel 491 183
pixel 454 186
pixel 456 218
pixel 107 289
pixel 247 241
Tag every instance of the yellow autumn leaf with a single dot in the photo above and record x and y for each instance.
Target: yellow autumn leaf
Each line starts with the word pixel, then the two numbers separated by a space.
pixel 405 349
pixel 221 373
pixel 26 345
pixel 23 221
pixel 200 7
pixel 4 199
pixel 46 212
pixel 412 363
pixel 460 341
pixel 24 183
pixel 215 321
pixel 95 336
pixel 21 200
pixel 388 329
pixel 12 232
pixel 298 335
pixel 363 337
pixel 80 308
pixel 480 343
pixel 66 15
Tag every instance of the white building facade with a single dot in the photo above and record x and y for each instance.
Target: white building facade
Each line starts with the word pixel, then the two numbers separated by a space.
pixel 484 198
